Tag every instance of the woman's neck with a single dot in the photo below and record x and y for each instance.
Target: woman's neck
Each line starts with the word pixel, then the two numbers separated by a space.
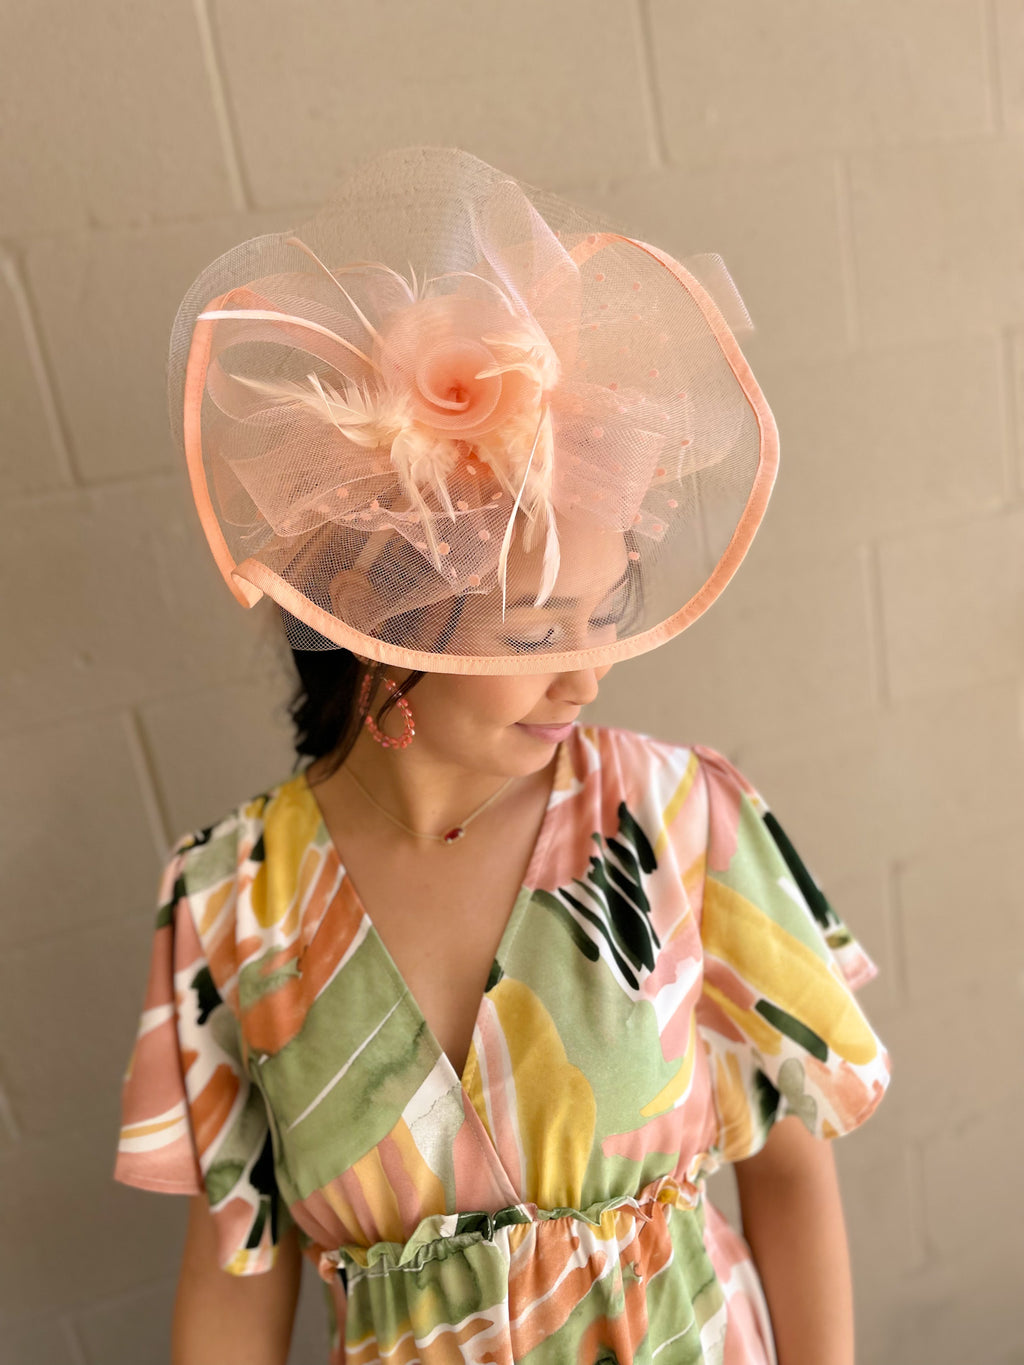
pixel 425 792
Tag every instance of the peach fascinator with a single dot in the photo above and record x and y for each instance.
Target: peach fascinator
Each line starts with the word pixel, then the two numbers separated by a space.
pixel 453 423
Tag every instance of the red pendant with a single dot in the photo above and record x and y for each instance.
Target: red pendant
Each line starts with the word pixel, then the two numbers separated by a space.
pixel 454 834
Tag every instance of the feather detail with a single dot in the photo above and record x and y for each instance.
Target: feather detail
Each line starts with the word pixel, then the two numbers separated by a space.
pixel 422 460
pixel 531 352
pixel 506 540
pixel 401 460
pixel 350 268
pixel 362 420
pixel 472 275
pixel 353 266
pixel 552 560
pixel 297 241
pixel 271 315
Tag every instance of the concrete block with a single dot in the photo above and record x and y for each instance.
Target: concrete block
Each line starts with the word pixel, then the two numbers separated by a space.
pixel 117 600
pixel 36 1340
pixel 948 1312
pixel 215 748
pixel 32 458
pixel 672 692
pixel 106 120
pixel 74 1005
pixel 897 783
pixel 794 621
pixel 546 92
pixel 884 439
pixel 883 1238
pixel 121 290
pixel 953 604
pixel 974 1191
pixel 61 1208
pixel 775 226
pixel 739 81
pixel 79 850
pixel 130 1327
pixel 955 1060
pixel 1015 464
pixel 936 232
pixel 1008 51
pixel 962 914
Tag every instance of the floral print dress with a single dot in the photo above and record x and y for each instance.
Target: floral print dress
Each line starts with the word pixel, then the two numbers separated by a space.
pixel 670 983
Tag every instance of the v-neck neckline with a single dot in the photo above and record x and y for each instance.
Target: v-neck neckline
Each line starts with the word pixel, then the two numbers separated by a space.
pixel 523 896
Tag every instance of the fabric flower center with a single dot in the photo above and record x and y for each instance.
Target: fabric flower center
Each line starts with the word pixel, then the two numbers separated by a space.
pixel 446 381
pixel 434 355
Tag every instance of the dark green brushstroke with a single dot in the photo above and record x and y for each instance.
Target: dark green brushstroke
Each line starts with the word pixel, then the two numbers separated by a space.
pixel 812 892
pixel 793 1028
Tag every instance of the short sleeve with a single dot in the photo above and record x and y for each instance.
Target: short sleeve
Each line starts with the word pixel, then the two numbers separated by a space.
pixel 192 1121
pixel 783 1030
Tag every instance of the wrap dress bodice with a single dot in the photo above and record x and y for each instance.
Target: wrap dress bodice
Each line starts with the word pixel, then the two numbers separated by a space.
pixel 670 983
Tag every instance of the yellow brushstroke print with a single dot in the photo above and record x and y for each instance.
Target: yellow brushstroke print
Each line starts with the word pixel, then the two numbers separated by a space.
pixel 667 1097
pixel 556 1107
pixel 290 824
pixel 675 805
pixel 785 971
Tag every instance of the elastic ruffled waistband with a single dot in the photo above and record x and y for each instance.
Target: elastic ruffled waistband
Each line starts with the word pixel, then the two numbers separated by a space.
pixel 439 1235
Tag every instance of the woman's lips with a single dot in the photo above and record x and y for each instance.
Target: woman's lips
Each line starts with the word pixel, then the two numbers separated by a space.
pixel 551 734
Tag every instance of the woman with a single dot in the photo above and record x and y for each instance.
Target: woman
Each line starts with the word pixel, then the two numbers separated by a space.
pixel 468 1009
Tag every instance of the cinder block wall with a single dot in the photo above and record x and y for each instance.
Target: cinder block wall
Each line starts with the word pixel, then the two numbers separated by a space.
pixel 860 167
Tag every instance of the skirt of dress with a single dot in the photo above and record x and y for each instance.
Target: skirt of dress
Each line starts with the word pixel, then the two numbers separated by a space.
pixel 654 1280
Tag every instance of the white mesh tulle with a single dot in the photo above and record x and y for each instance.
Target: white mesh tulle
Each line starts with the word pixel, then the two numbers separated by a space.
pixel 449 391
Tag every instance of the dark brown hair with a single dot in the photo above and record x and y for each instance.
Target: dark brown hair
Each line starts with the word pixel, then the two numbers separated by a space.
pixel 324 708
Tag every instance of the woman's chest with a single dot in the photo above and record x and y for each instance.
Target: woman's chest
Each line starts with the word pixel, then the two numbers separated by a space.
pixel 552 1078
pixel 479 983
pixel 442 934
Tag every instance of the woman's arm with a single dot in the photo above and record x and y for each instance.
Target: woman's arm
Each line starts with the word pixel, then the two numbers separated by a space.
pixel 793 1222
pixel 222 1319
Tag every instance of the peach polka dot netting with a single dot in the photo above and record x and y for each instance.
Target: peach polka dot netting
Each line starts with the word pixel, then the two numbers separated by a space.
pixel 451 423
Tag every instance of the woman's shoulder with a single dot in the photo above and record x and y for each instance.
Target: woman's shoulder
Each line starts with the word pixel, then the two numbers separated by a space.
pixel 230 846
pixel 672 782
pixel 618 747
pixel 614 744
pixel 239 910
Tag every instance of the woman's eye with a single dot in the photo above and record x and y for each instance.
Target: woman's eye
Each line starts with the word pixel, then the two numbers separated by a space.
pixel 596 623
pixel 530 644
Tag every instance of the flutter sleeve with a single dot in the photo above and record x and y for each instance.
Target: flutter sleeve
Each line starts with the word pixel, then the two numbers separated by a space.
pixel 783 1030
pixel 192 1121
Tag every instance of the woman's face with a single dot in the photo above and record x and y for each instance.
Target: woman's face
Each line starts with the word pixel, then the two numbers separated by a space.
pixel 477 722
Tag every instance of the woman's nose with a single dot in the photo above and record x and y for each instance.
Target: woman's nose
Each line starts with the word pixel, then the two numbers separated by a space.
pixel 580 685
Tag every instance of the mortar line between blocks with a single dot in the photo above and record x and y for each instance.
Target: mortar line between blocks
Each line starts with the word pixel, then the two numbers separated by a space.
pixel 913 1157
pixel 993 73
pixel 41 369
pixel 221 106
pixel 149 787
pixel 896 928
pixel 73 1341
pixel 847 256
pixel 649 73
pixel 1012 443
pixel 872 579
pixel 8 1120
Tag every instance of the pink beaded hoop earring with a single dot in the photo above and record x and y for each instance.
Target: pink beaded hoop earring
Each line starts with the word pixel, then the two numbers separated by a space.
pixel 385 741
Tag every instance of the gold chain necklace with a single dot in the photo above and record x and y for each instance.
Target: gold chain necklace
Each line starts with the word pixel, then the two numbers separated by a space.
pixel 451 836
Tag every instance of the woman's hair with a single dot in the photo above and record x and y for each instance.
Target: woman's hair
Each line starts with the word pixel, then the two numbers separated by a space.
pixel 324 708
